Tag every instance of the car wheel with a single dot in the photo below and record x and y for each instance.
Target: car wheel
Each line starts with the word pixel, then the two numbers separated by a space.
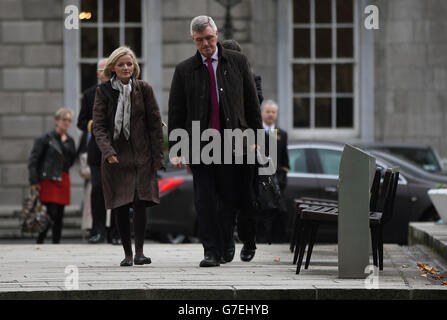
pixel 430 215
pixel 172 238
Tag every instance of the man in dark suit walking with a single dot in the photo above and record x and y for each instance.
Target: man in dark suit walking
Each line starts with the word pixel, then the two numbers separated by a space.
pixel 269 111
pixel 215 88
pixel 234 45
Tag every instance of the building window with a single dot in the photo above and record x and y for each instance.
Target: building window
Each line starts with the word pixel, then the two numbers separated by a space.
pixel 323 64
pixel 107 25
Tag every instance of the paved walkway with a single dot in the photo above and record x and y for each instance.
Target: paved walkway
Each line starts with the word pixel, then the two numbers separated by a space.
pixel 37 271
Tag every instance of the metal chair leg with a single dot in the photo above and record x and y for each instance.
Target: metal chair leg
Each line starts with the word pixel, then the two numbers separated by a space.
pixel 299 236
pixel 380 245
pixel 374 244
pixel 313 236
pixel 303 244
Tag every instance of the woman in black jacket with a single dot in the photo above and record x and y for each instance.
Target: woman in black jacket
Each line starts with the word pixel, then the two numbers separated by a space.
pixel 51 158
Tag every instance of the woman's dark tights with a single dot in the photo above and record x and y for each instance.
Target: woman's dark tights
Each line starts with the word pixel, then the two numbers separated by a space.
pixel 56 213
pixel 122 219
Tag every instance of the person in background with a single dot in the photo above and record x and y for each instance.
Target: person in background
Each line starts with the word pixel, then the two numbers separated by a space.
pixel 269 112
pixel 234 45
pixel 128 130
pixel 98 209
pixel 52 156
pixel 247 217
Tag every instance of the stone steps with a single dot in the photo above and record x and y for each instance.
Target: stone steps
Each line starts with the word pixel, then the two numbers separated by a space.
pixel 10 223
pixel 429 234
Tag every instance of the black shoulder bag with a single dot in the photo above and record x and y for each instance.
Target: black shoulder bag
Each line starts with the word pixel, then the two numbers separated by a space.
pixel 268 194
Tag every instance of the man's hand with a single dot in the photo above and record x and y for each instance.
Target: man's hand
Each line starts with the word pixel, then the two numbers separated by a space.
pixel 35 187
pixel 177 163
pixel 112 159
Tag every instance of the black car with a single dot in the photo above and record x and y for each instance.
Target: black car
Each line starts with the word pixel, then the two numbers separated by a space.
pixel 174 220
pixel 423 156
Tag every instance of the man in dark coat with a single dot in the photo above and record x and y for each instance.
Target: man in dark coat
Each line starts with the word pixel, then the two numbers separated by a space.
pixel 214 87
pixel 97 233
pixel 276 220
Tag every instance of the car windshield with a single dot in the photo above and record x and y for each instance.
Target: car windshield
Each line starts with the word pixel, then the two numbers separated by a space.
pixel 297 159
pixel 423 158
pixel 330 160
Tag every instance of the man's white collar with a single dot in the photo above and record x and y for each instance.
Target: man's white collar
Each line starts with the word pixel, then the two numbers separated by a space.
pixel 215 56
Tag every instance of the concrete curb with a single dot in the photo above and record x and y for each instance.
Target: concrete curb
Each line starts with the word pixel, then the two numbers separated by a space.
pixel 230 294
pixel 429 234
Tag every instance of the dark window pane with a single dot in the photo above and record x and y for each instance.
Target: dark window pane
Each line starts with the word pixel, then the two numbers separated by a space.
pixel 323 113
pixel 301 11
pixel 344 11
pixel 323 43
pixel 89 42
pixel 345 43
pixel 323 11
pixel 88 76
pixel 344 77
pixel 301 43
pixel 111 12
pixel 323 78
pixel 297 160
pixel 301 113
pixel 345 113
pixel 133 40
pixel 301 78
pixel 111 40
pixel 133 10
pixel 90 6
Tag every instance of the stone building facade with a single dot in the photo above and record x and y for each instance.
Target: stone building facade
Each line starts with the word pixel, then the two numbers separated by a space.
pixel 411 73
pixel 394 90
pixel 31 85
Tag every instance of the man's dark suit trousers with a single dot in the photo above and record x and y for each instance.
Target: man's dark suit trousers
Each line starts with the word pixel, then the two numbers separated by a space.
pixel 215 193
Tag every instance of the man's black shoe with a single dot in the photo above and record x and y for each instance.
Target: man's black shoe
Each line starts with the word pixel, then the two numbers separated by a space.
pixel 247 254
pixel 97 238
pixel 228 255
pixel 210 261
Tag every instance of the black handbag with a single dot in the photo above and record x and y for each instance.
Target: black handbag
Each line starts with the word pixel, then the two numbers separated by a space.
pixel 34 217
pixel 268 193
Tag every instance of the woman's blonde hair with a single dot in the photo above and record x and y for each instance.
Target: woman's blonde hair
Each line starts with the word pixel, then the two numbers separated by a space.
pixel 61 112
pixel 113 58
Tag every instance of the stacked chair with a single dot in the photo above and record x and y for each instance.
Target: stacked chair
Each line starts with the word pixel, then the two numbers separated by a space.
pixel 311 212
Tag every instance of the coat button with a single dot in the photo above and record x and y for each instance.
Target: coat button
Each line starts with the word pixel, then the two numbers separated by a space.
pixel 221 89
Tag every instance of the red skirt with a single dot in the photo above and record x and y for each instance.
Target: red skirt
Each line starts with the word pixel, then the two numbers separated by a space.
pixel 55 191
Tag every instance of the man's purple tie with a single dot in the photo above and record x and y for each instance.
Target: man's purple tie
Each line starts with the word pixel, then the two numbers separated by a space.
pixel 215 120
